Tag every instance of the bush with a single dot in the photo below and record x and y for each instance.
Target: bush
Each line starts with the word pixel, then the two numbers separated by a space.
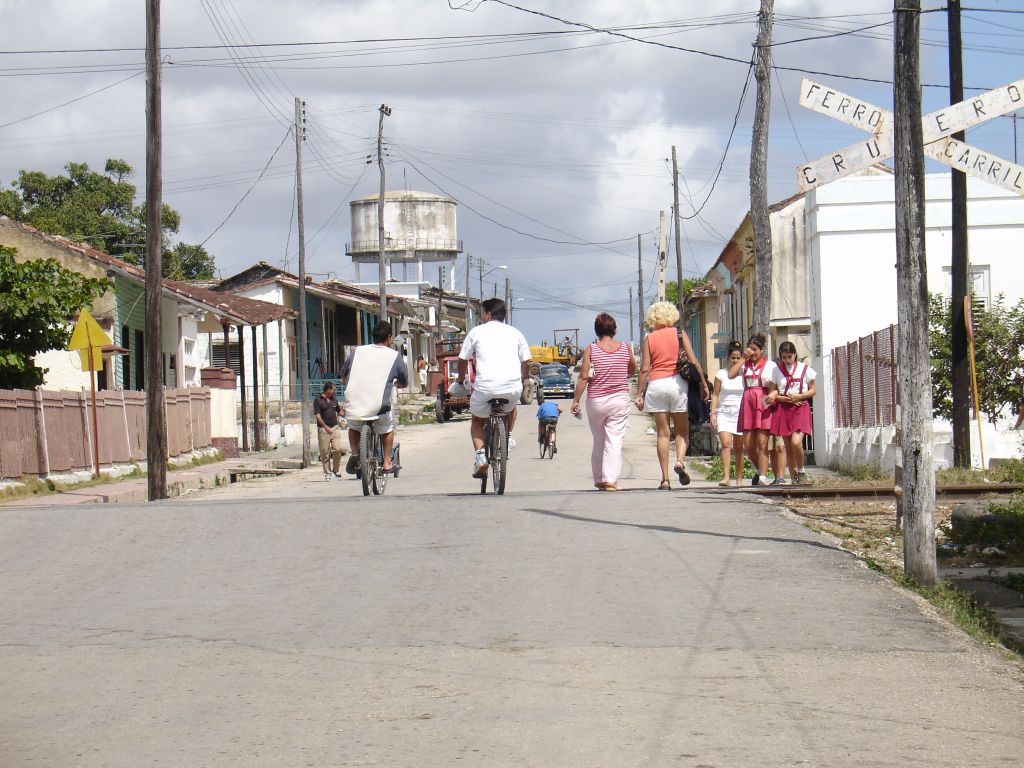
pixel 1002 527
pixel 714 471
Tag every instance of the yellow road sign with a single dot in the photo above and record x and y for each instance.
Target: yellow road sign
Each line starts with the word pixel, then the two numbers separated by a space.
pixel 88 338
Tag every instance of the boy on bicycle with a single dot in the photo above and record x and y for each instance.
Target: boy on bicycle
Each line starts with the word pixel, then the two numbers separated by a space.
pixel 547 413
pixel 369 375
pixel 502 365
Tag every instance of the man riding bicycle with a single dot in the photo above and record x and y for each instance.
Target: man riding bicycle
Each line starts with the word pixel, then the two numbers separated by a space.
pixel 369 375
pixel 502 365
pixel 547 413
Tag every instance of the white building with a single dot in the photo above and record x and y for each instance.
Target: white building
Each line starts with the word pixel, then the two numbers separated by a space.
pixel 850 232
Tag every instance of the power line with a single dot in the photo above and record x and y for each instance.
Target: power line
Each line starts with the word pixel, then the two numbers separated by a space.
pixel 72 101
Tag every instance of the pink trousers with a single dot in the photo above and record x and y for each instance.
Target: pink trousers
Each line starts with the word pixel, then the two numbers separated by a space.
pixel 608 417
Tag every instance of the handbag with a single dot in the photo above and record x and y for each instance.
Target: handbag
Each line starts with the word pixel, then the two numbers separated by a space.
pixel 684 367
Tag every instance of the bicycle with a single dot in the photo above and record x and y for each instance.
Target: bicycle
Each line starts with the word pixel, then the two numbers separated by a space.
pixel 547 443
pixel 371 461
pixel 496 447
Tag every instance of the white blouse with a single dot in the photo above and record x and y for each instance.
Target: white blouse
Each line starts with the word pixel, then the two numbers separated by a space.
pixel 730 392
pixel 793 387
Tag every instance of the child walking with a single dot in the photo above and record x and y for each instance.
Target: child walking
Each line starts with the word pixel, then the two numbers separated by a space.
pixel 755 408
pixel 792 417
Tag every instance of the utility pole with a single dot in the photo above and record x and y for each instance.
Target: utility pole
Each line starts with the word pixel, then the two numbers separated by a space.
pixel 382 268
pixel 508 300
pixel 302 355
pixel 912 301
pixel 631 313
pixel 469 303
pixel 679 235
pixel 156 418
pixel 480 272
pixel 440 300
pixel 662 258
pixel 759 171
pixel 960 373
pixel 640 287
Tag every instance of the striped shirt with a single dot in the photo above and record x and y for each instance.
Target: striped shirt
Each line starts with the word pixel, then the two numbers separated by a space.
pixel 610 371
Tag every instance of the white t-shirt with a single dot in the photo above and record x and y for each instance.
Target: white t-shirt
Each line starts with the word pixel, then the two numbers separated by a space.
pixel 793 387
pixel 499 351
pixel 730 392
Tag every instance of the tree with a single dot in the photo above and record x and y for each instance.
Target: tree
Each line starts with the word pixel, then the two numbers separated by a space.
pixel 100 209
pixel 689 283
pixel 998 345
pixel 38 299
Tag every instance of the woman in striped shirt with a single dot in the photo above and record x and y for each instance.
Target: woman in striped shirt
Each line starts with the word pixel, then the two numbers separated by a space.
pixel 605 370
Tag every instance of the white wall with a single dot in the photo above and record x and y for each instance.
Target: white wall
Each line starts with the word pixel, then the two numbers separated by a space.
pixel 851 235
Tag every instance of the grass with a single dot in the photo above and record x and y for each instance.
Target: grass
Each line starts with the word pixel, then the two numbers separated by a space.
pixel 861 472
pixel 1008 471
pixel 1014 581
pixel 712 468
pixel 33 486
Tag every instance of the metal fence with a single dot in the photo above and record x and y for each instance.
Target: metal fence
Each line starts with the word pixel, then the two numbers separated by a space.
pixel 50 432
pixel 864 380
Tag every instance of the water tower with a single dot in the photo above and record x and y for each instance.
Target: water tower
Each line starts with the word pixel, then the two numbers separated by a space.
pixel 419 228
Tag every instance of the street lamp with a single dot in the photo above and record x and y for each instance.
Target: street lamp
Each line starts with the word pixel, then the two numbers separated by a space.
pixel 483 274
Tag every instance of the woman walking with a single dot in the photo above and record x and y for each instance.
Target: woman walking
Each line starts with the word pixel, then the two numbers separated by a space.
pixel 755 407
pixel 604 374
pixel 725 415
pixel 666 392
pixel 792 418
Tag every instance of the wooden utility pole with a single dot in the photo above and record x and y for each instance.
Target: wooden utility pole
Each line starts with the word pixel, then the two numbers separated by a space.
pixel 440 300
pixel 382 267
pixel 156 417
pixel 960 372
pixel 508 300
pixel 302 353
pixel 678 233
pixel 662 258
pixel 480 272
pixel 469 303
pixel 759 215
pixel 640 287
pixel 912 300
pixel 631 313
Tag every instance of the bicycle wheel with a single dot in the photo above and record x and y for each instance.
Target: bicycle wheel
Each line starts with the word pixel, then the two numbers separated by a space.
pixel 543 443
pixel 551 443
pixel 487 452
pixel 366 458
pixel 380 480
pixel 499 454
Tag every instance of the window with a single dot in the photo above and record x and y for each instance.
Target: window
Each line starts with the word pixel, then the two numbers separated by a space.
pixel 979 283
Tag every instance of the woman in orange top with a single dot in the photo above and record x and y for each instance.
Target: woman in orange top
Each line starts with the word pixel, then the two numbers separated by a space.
pixel 666 391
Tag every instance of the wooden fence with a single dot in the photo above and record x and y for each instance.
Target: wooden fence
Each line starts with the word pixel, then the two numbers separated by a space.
pixel 50 432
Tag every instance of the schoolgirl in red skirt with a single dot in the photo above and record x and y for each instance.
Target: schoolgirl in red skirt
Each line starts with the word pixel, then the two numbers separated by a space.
pixel 791 417
pixel 755 412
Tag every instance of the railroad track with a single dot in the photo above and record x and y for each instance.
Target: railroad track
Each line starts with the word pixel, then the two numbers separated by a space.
pixel 959 491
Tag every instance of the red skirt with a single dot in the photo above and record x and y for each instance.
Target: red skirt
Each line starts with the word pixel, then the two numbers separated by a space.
pixel 790 418
pixel 753 414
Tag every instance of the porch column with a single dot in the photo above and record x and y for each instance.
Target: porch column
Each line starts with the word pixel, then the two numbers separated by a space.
pixel 241 378
pixel 280 370
pixel 255 393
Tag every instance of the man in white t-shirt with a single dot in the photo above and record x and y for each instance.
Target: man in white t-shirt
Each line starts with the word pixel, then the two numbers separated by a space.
pixel 502 362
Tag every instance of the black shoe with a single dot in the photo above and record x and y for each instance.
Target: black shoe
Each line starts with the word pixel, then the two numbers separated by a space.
pixel 352 464
pixel 684 479
pixel 755 481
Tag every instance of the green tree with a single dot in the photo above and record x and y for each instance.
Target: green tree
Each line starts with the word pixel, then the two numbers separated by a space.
pixel 100 209
pixel 998 346
pixel 689 283
pixel 38 300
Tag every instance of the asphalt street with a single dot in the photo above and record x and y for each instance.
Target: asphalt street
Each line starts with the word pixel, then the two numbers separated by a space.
pixel 293 622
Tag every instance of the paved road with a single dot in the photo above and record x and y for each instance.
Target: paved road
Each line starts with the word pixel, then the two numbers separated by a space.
pixel 294 623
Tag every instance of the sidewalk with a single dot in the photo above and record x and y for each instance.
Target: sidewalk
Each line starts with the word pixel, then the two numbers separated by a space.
pixel 179 482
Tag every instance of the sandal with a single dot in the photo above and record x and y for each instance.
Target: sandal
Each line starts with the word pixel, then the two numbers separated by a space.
pixel 684 479
pixel 611 487
pixel 724 484
pixel 665 485
pixel 600 486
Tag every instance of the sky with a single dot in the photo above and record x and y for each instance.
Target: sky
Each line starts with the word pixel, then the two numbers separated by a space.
pixel 555 138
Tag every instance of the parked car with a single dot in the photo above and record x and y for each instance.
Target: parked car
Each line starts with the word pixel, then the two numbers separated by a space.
pixel 554 380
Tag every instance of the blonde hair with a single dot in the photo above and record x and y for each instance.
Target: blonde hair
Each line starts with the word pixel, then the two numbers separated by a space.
pixel 662 313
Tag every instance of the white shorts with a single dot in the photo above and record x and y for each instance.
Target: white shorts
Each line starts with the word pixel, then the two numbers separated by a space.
pixel 381 425
pixel 668 394
pixel 728 420
pixel 481 408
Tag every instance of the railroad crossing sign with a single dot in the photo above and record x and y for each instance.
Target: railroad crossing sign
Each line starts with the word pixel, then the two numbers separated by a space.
pixel 938 128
